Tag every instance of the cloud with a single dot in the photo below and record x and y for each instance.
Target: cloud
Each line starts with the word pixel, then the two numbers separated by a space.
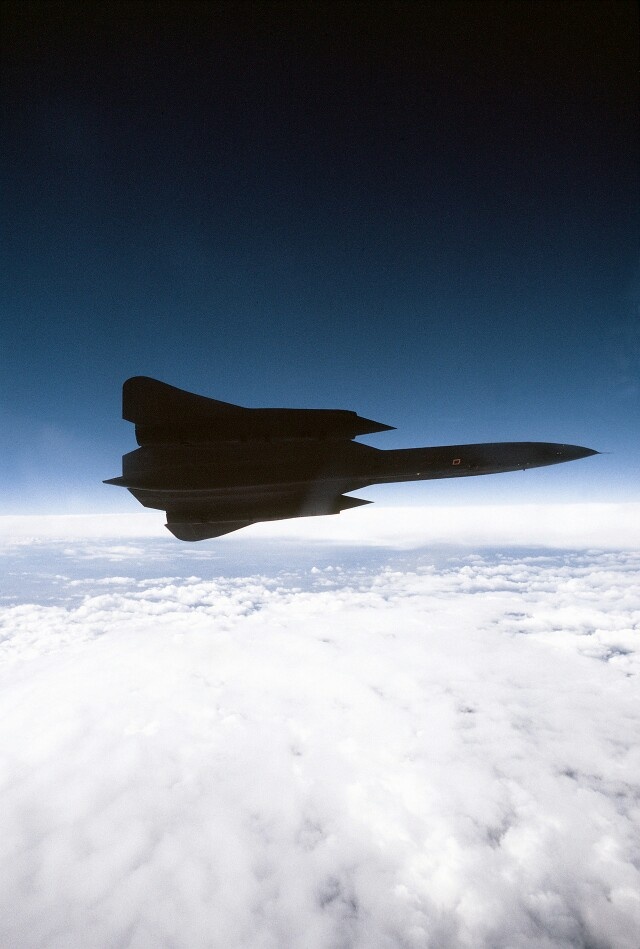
pixel 20 530
pixel 615 526
pixel 351 755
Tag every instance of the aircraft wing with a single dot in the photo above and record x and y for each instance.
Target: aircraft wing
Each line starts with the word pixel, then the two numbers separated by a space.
pixel 198 515
pixel 163 414
pixel 225 517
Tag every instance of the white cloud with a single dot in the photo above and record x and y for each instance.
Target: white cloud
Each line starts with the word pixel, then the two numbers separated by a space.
pixel 351 756
pixel 615 526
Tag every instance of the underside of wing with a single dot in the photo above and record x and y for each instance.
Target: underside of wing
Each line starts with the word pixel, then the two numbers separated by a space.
pixel 225 517
pixel 204 530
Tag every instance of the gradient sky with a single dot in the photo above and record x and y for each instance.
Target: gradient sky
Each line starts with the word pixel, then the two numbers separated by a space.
pixel 425 213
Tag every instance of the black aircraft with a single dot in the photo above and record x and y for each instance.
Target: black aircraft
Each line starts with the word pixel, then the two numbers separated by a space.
pixel 215 467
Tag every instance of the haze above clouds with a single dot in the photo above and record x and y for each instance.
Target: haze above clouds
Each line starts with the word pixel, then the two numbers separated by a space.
pixel 212 747
pixel 614 525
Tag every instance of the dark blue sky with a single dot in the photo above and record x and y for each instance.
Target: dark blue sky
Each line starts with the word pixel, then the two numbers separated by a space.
pixel 426 213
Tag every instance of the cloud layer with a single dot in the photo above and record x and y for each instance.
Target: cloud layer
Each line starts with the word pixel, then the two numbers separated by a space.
pixel 349 755
pixel 610 525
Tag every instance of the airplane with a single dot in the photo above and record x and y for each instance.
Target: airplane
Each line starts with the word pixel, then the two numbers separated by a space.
pixel 215 467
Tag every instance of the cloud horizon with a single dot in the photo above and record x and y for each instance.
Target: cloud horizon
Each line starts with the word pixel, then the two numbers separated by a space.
pixel 605 525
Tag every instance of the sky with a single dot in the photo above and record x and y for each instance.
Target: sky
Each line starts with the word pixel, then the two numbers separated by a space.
pixel 411 726
pixel 426 213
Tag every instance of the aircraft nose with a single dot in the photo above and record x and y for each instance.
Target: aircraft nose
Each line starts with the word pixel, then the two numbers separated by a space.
pixel 574 452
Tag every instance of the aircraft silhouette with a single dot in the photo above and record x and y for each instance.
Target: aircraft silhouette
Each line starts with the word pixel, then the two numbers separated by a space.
pixel 215 467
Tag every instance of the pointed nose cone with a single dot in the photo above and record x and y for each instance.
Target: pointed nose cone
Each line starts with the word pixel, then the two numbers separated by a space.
pixel 574 452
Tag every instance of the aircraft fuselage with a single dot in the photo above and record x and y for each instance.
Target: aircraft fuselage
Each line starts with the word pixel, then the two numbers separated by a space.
pixel 215 467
